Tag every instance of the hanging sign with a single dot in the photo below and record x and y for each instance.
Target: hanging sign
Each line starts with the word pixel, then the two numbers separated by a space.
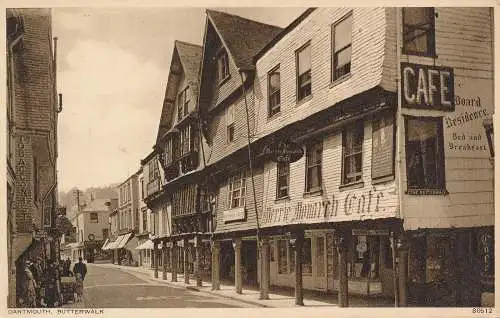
pixel 427 87
pixel 284 151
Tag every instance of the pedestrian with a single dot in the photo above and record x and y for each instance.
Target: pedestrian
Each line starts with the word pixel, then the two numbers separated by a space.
pixel 80 268
pixel 31 286
pixel 36 269
pixel 68 267
pixel 51 286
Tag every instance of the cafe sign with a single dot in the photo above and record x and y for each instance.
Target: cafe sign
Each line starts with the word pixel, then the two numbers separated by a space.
pixel 427 87
pixel 232 215
pixel 284 151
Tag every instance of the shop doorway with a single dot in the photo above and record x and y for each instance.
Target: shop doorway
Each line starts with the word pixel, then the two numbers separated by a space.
pixel 249 263
pixel 227 262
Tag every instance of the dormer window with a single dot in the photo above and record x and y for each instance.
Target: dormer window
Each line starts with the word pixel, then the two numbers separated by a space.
pixel 183 104
pixel 222 66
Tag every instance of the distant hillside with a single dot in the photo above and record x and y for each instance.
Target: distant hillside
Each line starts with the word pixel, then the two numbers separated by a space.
pixel 68 199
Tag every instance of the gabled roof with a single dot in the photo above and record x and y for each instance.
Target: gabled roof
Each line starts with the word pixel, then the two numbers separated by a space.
pixel 242 37
pixel 190 59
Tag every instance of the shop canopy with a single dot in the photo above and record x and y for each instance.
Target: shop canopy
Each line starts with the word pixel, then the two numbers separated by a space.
pixel 122 240
pixel 104 247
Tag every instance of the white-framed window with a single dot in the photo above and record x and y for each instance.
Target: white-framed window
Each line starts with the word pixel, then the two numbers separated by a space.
pixel 352 154
pixel 237 189
pixel 94 217
pixel 283 180
pixel 314 157
pixel 230 123
pixel 303 62
pixel 222 66
pixel 419 31
pixel 274 89
pixel 341 47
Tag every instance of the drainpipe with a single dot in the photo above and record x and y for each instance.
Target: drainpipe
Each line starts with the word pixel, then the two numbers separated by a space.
pixel 399 139
pixel 250 163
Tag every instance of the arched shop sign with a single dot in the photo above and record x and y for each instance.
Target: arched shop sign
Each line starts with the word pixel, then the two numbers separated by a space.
pixel 284 151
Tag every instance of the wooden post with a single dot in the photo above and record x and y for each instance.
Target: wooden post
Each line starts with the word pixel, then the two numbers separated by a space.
pixel 173 260
pixel 299 291
pixel 215 265
pixel 155 258
pixel 165 260
pixel 238 277
pixel 186 262
pixel 197 261
pixel 395 270
pixel 341 242
pixel 265 269
pixel 403 272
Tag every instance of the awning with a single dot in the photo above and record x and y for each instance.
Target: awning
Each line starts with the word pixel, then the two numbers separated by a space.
pixel 148 245
pixel 104 247
pixel 123 240
pixel 111 245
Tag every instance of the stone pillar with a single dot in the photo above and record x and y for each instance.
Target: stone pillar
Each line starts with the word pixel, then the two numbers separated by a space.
pixel 238 275
pixel 215 265
pixel 165 260
pixel 173 260
pixel 299 291
pixel 155 258
pixel 186 262
pixel 403 272
pixel 265 269
pixel 197 261
pixel 341 242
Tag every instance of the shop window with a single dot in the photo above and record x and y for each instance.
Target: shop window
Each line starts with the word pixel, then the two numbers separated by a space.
pixel 366 257
pixel 273 87
pixel 352 153
pixel 383 146
pixel 303 60
pixel 222 66
pixel 342 49
pixel 313 167
pixel 94 217
pixel 283 183
pixel 230 123
pixel 182 104
pixel 424 154
pixel 282 256
pixel 237 189
pixel 307 256
pixel 320 256
pixel 418 31
pixel 438 254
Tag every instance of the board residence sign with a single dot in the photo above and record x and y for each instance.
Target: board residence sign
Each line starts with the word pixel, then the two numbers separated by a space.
pixel 427 87
pixel 284 151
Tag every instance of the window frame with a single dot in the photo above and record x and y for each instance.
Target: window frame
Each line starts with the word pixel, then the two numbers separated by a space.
pixel 241 177
pixel 273 109
pixel 230 126
pixel 335 51
pixel 297 75
pixel 431 43
pixel 92 219
pixel 441 187
pixel 183 101
pixel 278 175
pixel 360 123
pixel 380 117
pixel 222 55
pixel 313 146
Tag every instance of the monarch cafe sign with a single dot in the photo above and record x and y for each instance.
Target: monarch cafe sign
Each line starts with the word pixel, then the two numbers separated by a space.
pixel 283 152
pixel 427 87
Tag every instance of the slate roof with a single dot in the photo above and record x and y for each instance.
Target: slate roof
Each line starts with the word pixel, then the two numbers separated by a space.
pixel 244 38
pixel 190 55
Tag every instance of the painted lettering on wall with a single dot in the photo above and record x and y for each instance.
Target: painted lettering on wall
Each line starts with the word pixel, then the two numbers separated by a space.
pixel 427 87
pixel 354 205
pixel 464 131
pixel 21 172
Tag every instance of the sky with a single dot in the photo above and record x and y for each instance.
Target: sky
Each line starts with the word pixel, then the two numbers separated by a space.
pixel 112 71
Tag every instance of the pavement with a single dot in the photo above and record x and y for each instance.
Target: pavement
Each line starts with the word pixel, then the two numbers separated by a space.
pixel 112 287
pixel 196 296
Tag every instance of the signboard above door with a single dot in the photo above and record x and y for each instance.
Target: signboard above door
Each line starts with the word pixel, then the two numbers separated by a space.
pixel 427 87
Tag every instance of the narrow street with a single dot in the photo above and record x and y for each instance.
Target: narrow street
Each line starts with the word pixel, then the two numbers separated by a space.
pixel 114 288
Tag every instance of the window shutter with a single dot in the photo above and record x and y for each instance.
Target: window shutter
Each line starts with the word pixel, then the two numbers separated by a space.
pixel 383 146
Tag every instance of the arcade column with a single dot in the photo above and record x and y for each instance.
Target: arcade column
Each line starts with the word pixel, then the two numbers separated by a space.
pixel 155 258
pixel 265 267
pixel 197 261
pixel 298 243
pixel 215 265
pixel 238 275
pixel 186 262
pixel 173 260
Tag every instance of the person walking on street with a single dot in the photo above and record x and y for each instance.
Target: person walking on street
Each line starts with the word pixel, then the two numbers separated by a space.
pixel 36 270
pixel 51 285
pixel 31 286
pixel 80 268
